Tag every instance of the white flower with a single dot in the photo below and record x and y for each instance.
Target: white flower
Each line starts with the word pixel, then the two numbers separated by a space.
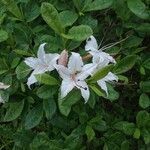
pixel 44 62
pixel 3 86
pixel 74 76
pixel 99 56
pixel 108 78
pixel 101 60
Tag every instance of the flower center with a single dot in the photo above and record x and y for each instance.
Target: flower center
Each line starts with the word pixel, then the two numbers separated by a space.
pixel 73 77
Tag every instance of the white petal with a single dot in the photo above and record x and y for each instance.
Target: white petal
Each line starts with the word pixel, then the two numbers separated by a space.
pixel 91 44
pixel 32 62
pixel 63 72
pixel 106 56
pixel 3 86
pixel 103 85
pixel 87 70
pixel 41 52
pixel 75 63
pixel 111 77
pixel 50 61
pixel 82 85
pixel 31 80
pixel 66 87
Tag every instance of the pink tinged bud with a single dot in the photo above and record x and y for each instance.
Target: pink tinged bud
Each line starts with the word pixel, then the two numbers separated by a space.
pixel 63 58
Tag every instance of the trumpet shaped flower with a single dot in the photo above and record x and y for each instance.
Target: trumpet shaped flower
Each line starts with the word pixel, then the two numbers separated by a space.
pixel 101 60
pixel 44 62
pixel 74 75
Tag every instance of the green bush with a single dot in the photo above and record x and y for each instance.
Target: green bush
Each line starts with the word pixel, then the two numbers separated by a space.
pixel 38 118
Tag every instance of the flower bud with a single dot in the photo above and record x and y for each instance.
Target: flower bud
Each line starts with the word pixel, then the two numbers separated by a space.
pixel 63 59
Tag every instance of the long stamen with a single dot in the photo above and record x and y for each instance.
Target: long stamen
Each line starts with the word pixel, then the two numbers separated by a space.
pixel 101 43
pixel 112 44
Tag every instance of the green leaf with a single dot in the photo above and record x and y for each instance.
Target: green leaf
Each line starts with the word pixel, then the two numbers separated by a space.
pixel 145 86
pixel 126 127
pixel 15 62
pixel 51 17
pixel 112 93
pixel 89 20
pixel 46 79
pixel 137 133
pixel 100 74
pixel 142 119
pixel 34 116
pixel 22 52
pixel 122 10
pixel 144 27
pixel 14 110
pixel 97 90
pixel 66 103
pixel 23 138
pixel 98 124
pixel 138 8
pixel 3 35
pixel 79 4
pixel 125 145
pixel 40 140
pixel 90 133
pixel 125 64
pixel 46 92
pixel 146 135
pixel 132 41
pixel 13 8
pixel 146 64
pixel 32 11
pixel 49 107
pixel 98 5
pixel 22 70
pixel 79 33
pixel 68 17
pixel 144 101
pixel 92 99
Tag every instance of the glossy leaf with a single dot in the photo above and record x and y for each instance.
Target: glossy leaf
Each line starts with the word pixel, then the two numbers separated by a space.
pixel 14 110
pixel 98 5
pixel 79 33
pixel 51 17
pixel 46 79
pixel 144 101
pixel 34 116
pixel 125 64
pixel 138 8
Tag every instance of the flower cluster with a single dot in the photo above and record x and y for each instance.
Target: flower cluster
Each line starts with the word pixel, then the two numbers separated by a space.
pixel 73 71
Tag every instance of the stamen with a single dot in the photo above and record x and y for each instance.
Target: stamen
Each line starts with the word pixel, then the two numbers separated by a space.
pixel 112 44
pixel 85 88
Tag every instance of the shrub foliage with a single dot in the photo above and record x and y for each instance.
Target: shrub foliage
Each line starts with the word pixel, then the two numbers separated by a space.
pixel 37 118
